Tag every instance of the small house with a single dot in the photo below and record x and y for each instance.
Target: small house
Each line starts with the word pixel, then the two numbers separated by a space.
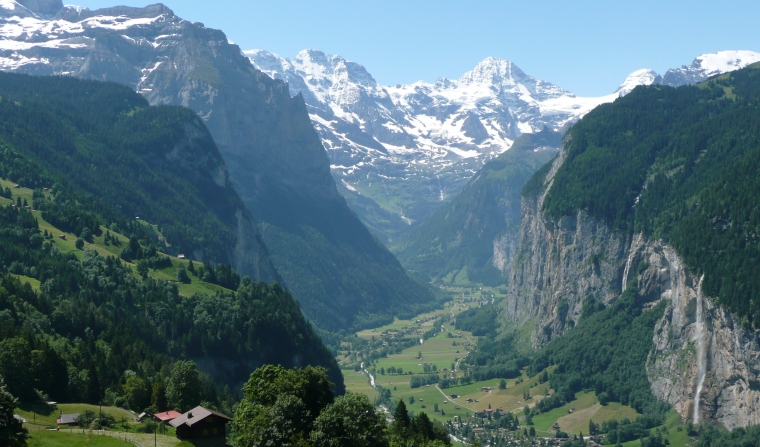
pixel 62 236
pixel 200 423
pixel 180 256
pixel 166 416
pixel 68 419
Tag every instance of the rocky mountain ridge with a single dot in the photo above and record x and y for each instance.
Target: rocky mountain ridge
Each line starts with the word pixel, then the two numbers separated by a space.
pixel 431 138
pixel 276 162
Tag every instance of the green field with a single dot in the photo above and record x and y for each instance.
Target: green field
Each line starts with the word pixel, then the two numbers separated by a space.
pixel 31 281
pixel 574 417
pixel 42 417
pixel 443 350
pixel 76 438
pixel 67 245
pixel 57 439
pixel 46 415
pixel 358 383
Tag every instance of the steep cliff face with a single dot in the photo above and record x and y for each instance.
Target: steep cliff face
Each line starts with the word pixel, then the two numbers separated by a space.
pixel 704 362
pixel 206 168
pixel 558 265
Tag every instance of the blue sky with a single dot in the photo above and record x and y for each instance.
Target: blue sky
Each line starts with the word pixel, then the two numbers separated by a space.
pixel 587 47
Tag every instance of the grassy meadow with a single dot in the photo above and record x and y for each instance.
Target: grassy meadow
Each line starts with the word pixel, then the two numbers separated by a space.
pixel 67 245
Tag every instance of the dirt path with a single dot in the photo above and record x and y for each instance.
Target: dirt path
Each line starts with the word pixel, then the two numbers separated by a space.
pixel 451 400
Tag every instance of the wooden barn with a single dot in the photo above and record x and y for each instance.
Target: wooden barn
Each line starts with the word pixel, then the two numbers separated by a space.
pixel 200 423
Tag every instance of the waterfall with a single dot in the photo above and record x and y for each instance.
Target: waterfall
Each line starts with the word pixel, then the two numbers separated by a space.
pixel 701 349
pixel 634 245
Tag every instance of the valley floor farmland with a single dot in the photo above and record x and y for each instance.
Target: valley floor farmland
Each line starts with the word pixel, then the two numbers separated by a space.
pixel 429 344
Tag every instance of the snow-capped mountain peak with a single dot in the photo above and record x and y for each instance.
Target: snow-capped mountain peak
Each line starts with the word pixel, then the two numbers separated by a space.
pixel 494 71
pixel 725 61
pixel 504 75
pixel 644 76
pixel 27 8
pixel 707 65
pixel 437 134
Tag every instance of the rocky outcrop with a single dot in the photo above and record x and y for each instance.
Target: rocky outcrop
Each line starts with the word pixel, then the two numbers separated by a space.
pixel 559 265
pixel 49 7
pixel 728 363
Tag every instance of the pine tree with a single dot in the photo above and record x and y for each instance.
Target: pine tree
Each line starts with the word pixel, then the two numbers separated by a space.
pixel 401 420
pixel 12 432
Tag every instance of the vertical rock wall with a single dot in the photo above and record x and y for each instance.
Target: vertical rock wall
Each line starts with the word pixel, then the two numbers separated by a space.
pixel 559 265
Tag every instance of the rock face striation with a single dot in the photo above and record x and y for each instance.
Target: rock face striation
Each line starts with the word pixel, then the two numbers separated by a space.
pixel 558 265
pixel 726 371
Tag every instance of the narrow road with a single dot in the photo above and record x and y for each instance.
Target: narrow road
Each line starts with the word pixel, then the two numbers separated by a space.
pixel 452 401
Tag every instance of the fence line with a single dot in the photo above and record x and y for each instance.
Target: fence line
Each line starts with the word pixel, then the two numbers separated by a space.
pixel 124 436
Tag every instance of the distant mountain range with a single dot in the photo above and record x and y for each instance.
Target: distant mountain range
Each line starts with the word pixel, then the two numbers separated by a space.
pixel 397 152
pixel 338 271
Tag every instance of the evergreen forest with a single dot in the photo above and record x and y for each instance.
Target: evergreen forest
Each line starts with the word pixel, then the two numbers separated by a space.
pixel 93 323
pixel 678 164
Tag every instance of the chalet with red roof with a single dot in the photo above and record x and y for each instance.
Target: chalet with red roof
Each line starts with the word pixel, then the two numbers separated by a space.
pixel 166 416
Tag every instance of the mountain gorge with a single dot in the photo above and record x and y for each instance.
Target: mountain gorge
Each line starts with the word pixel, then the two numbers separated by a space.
pixel 338 271
pixel 618 234
pixel 399 152
pixel 472 238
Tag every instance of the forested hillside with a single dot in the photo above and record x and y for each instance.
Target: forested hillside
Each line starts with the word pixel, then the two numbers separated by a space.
pixel 104 142
pixel 679 164
pixel 81 324
pixel 457 241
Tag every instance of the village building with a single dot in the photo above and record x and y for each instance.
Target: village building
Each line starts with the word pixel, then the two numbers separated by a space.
pixel 68 419
pixel 166 416
pixel 200 423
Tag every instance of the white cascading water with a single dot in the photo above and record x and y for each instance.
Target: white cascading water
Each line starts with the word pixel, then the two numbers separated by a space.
pixel 701 350
pixel 634 245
